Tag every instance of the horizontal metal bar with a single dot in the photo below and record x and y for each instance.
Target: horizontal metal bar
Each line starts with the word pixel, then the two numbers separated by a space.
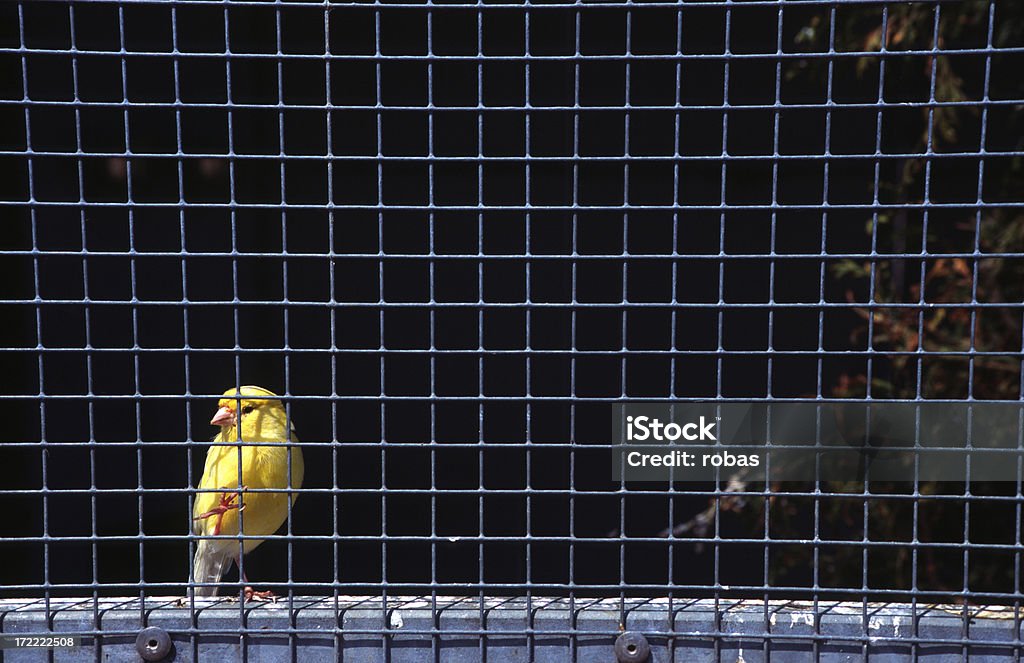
pixel 669 492
pixel 717 207
pixel 43 397
pixel 431 5
pixel 861 593
pixel 726 105
pixel 531 58
pixel 503 257
pixel 525 159
pixel 531 539
pixel 520 305
pixel 579 446
pixel 527 353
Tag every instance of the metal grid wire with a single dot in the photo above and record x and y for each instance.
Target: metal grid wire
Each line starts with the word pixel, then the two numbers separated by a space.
pixel 452 236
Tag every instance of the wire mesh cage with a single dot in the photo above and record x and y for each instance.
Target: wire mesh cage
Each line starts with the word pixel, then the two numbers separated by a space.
pixel 451 239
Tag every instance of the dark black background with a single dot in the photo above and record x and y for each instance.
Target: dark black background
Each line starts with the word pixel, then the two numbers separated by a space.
pixel 342 343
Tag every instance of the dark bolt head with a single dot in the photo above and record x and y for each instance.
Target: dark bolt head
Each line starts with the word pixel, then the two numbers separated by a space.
pixel 632 647
pixel 153 643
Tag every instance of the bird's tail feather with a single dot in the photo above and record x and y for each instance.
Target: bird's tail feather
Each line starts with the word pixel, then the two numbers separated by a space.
pixel 209 565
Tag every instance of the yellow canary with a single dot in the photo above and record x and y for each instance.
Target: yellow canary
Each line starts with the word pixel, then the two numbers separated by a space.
pixel 246 417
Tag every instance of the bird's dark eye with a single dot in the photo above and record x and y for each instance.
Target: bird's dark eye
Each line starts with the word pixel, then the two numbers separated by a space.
pixel 247 409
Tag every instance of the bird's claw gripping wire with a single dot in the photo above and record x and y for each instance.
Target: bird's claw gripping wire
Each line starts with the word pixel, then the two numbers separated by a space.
pixel 227 502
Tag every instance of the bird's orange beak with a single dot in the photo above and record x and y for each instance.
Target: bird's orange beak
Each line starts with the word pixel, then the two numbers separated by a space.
pixel 224 417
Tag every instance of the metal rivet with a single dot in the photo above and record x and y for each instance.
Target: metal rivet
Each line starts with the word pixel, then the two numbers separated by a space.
pixel 632 647
pixel 153 643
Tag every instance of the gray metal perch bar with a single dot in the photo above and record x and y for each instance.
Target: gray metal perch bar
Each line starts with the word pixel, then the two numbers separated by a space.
pixel 370 629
